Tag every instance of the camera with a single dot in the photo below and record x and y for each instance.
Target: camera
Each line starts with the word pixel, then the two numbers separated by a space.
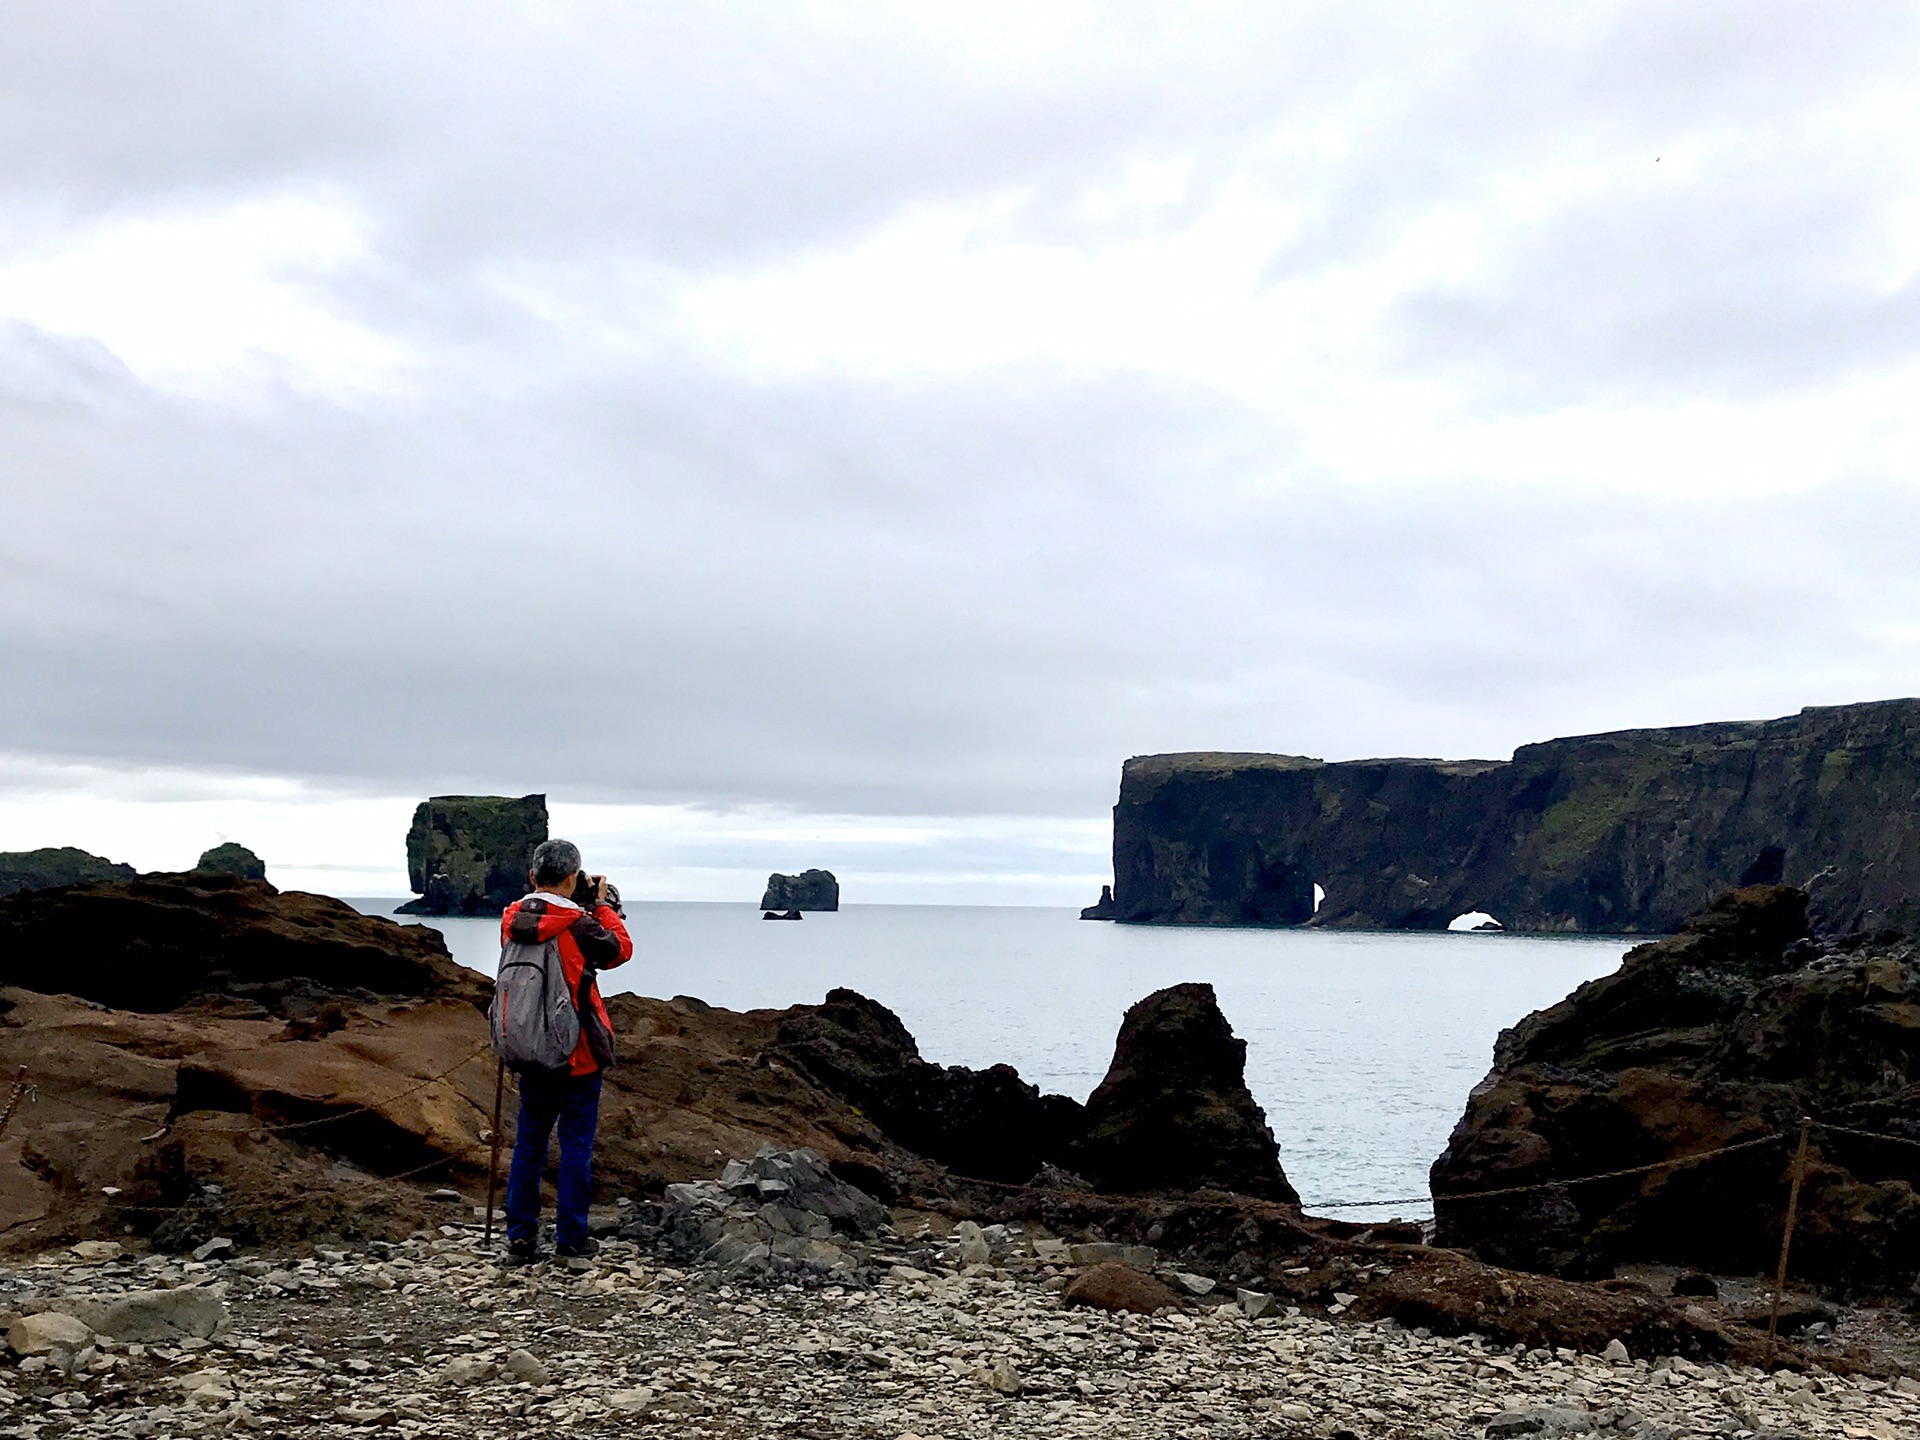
pixel 583 888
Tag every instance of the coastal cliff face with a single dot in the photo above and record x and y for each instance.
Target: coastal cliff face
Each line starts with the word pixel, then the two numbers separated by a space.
pixel 467 854
pixel 1624 833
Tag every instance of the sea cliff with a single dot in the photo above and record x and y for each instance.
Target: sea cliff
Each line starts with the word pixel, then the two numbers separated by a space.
pixel 1627 832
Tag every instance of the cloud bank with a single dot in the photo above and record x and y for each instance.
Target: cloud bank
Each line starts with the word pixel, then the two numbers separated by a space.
pixel 843 411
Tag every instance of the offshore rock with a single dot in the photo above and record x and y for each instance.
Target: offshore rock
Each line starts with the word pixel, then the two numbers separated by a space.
pixel 986 1123
pixel 1628 832
pixel 64 865
pixel 1728 1032
pixel 1103 908
pixel 809 890
pixel 468 854
pixel 232 859
pixel 1174 1111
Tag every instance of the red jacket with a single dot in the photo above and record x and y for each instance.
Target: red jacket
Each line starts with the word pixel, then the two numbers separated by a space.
pixel 588 943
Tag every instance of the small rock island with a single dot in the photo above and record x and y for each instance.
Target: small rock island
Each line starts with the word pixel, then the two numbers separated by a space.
pixel 809 890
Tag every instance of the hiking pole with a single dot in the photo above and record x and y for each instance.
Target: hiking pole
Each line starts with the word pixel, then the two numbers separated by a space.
pixel 1786 1237
pixel 13 1100
pixel 493 1161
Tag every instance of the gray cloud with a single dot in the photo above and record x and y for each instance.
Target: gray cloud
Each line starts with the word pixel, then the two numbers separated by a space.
pixel 537 563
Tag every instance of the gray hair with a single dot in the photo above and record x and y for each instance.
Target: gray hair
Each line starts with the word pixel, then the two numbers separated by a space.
pixel 554 860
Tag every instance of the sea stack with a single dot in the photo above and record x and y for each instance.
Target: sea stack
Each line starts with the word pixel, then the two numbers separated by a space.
pixel 468 854
pixel 809 890
pixel 1103 908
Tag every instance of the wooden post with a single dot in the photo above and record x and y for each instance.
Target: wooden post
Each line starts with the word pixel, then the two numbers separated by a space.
pixel 1786 1236
pixel 493 1161
pixel 13 1100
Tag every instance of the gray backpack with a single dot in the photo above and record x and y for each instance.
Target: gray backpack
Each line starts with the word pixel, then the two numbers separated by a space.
pixel 535 1025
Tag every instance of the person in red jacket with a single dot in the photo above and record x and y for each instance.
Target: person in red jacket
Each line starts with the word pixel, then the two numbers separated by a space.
pixel 581 914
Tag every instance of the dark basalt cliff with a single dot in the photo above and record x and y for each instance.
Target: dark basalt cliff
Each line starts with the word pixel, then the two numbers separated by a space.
pixel 1724 1035
pixel 468 854
pixel 1628 832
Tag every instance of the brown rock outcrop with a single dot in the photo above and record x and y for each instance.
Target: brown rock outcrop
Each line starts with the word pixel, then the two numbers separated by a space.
pixel 156 942
pixel 1174 1111
pixel 1726 1033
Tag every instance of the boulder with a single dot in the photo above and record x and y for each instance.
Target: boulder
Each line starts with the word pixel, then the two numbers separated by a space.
pixel 42 869
pixel 809 890
pixel 155 1317
pixel 988 1123
pixel 48 1331
pixel 1174 1111
pixel 158 941
pixel 468 854
pixel 1726 1033
pixel 1119 1287
pixel 232 859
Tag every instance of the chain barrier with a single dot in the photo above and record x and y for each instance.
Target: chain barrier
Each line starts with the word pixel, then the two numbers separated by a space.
pixel 1674 1163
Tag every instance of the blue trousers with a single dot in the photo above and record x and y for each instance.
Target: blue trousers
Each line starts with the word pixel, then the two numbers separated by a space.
pixel 573 1103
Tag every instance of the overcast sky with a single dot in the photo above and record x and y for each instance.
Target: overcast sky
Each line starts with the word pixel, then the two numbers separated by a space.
pixel 841 434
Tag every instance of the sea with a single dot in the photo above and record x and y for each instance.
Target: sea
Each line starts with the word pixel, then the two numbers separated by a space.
pixel 1361 1046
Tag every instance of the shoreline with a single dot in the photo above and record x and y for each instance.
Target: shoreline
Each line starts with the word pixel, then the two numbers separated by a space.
pixel 427 1337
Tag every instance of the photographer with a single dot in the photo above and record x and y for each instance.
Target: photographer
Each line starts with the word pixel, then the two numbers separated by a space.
pixel 581 914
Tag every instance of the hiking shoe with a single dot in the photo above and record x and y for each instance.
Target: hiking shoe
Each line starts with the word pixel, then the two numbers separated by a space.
pixel 585 1250
pixel 520 1252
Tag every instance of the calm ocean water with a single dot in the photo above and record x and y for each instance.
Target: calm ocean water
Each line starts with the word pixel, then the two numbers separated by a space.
pixel 1360 1046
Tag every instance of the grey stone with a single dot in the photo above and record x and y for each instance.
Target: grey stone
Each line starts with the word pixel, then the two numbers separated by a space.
pixel 524 1365
pixel 464 1370
pixel 1256 1304
pixel 47 1332
pixel 156 1317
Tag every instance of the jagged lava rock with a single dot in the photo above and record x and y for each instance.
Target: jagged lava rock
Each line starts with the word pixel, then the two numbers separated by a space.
pixel 1174 1111
pixel 987 1123
pixel 62 865
pixel 468 854
pixel 1628 832
pixel 156 942
pixel 232 859
pixel 809 890
pixel 1728 1031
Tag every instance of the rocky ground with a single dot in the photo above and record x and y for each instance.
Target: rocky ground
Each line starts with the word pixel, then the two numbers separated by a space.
pixel 430 1337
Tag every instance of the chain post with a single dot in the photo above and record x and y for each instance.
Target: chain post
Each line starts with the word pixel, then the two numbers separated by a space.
pixel 1786 1238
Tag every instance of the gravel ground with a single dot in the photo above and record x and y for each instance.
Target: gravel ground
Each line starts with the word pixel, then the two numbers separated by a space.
pixel 429 1337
